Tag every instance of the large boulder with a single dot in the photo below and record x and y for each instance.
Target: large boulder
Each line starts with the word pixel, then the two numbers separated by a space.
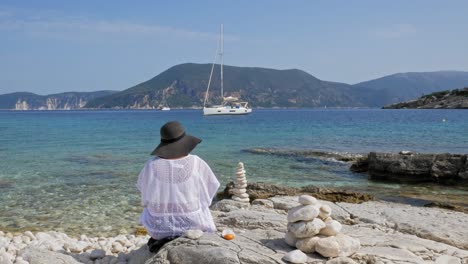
pixel 429 223
pixel 463 173
pixel 446 167
pixel 360 165
pixel 401 168
pixel 416 167
pixel 258 217
pixel 197 254
pixel 258 246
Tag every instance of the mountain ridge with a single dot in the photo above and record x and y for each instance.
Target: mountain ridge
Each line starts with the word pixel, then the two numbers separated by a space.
pixel 410 85
pixel 184 85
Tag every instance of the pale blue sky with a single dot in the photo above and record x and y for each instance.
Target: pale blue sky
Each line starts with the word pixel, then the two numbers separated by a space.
pixel 56 46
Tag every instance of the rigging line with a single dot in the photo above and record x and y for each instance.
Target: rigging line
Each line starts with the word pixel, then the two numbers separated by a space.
pixel 222 60
pixel 211 74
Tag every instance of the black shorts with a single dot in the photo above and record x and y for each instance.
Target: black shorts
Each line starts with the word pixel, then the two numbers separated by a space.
pixel 155 244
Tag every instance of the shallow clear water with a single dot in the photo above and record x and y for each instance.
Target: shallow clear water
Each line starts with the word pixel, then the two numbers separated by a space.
pixel 76 170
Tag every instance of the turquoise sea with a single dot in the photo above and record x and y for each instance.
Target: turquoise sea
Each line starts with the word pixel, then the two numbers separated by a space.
pixel 75 171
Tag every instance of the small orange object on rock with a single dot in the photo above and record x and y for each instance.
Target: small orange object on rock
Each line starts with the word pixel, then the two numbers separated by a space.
pixel 229 237
pixel 228 234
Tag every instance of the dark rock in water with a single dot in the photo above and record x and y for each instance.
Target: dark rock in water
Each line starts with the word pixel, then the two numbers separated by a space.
pixel 261 190
pixel 96 159
pixel 4 184
pixel 299 167
pixel 463 173
pixel 304 155
pixel 446 167
pixel 403 168
pixel 360 165
pixel 78 159
pixel 416 167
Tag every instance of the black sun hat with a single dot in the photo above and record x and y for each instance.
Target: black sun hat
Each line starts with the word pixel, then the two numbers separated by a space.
pixel 175 142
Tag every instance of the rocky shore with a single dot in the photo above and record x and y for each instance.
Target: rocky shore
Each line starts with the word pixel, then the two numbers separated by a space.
pixel 404 167
pixel 306 154
pixel 453 99
pixel 262 190
pixel 388 233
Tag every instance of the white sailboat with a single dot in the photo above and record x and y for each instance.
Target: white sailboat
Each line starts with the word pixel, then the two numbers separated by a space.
pixel 230 105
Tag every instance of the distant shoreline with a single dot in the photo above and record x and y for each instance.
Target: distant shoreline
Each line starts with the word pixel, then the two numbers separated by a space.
pixel 190 108
pixel 450 99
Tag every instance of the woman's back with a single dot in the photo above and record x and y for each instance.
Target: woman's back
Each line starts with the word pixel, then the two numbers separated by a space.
pixel 176 194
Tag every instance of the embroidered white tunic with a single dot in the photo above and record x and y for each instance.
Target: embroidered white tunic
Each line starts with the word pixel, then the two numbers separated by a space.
pixel 176 195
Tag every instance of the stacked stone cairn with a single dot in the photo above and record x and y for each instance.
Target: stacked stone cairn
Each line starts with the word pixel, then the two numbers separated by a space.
pixel 312 229
pixel 239 191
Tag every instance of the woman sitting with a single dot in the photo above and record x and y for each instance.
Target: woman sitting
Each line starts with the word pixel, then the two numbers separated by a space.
pixel 176 188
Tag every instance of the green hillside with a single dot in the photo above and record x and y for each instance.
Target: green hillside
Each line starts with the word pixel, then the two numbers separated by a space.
pixel 185 85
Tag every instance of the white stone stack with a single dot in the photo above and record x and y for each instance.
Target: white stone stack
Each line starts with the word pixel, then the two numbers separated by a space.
pixel 239 191
pixel 312 229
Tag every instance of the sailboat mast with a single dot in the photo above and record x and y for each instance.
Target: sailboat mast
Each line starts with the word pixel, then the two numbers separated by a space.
pixel 222 61
pixel 220 47
pixel 209 80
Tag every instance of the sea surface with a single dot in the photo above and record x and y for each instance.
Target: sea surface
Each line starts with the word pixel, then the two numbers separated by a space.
pixel 75 171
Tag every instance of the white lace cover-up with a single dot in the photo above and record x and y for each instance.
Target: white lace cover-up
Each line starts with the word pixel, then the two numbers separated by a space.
pixel 176 195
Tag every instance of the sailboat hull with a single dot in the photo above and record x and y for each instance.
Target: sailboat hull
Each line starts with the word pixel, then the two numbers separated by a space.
pixel 222 110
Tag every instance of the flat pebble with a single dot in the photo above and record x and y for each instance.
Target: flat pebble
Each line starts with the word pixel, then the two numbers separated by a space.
pixel 194 234
pixel 295 256
pixel 307 199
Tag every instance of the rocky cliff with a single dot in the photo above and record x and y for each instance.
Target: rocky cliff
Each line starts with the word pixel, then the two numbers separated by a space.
pixel 454 99
pixel 61 101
